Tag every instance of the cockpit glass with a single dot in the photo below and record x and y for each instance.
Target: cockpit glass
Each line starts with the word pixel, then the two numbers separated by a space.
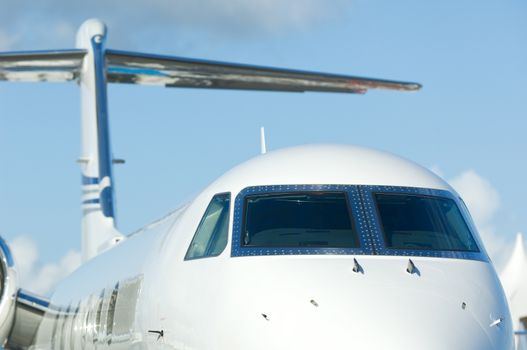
pixel 423 223
pixel 299 220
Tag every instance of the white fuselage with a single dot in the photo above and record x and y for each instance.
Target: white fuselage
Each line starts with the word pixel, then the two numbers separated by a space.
pixel 144 294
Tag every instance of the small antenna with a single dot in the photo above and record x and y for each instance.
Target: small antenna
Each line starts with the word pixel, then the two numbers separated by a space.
pixel 263 146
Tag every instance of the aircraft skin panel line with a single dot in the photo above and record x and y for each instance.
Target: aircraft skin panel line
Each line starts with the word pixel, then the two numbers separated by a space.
pixel 309 247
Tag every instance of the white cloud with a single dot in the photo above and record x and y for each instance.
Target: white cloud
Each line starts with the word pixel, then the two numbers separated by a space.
pixel 436 169
pixel 483 202
pixel 478 193
pixel 34 276
pixel 45 23
pixel 6 41
pixel 64 30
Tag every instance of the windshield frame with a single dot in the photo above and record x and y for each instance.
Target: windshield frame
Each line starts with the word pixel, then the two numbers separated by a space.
pixel 358 221
pixel 372 211
pixel 365 220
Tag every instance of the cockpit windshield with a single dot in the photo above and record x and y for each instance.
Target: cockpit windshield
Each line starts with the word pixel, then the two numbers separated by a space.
pixel 298 220
pixel 419 222
pixel 335 219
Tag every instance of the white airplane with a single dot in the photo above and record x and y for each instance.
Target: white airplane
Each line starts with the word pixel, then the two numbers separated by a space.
pixel 311 247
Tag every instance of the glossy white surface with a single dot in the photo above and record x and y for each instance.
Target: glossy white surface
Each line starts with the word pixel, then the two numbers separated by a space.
pixel 515 286
pixel 218 302
pixel 329 164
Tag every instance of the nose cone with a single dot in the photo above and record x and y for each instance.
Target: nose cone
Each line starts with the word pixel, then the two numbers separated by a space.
pixel 323 304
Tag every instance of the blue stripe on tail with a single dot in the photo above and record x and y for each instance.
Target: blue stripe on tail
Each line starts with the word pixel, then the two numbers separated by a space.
pixel 103 133
pixel 86 180
pixel 92 201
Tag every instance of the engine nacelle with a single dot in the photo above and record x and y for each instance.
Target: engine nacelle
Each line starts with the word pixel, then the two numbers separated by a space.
pixel 8 291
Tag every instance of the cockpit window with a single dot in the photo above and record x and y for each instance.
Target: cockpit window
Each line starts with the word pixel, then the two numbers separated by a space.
pixel 417 222
pixel 298 220
pixel 211 236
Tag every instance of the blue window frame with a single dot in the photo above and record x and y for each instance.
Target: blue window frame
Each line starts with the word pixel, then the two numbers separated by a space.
pixel 411 221
pixel 298 220
pixel 365 222
pixel 363 246
pixel 378 235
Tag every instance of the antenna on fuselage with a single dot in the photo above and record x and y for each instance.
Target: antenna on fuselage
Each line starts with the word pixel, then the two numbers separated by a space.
pixel 263 143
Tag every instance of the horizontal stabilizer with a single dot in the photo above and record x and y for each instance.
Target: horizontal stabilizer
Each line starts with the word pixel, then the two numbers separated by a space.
pixel 53 65
pixel 170 71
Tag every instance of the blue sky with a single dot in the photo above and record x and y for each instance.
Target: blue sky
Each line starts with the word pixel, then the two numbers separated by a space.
pixel 468 122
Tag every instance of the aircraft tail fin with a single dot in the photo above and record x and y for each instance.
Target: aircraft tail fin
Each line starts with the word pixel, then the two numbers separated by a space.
pixel 93 66
pixel 98 209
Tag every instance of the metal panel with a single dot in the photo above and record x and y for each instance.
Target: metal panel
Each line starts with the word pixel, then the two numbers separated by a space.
pixel 125 309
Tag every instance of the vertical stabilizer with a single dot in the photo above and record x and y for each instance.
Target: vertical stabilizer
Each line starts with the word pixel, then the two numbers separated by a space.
pixel 98 212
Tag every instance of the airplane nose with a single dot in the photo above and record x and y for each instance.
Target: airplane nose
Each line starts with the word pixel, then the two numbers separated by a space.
pixel 320 324
pixel 452 306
